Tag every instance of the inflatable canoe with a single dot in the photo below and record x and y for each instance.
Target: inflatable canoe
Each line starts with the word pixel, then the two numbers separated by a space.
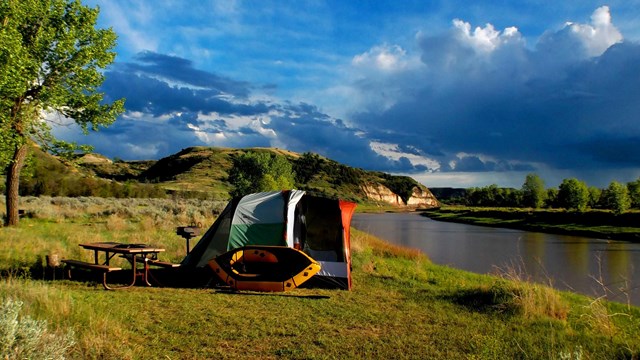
pixel 264 268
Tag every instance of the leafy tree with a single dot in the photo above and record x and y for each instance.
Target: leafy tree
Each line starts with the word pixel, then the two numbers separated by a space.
pixel 51 57
pixel 573 194
pixel 256 172
pixel 533 191
pixel 634 193
pixel 595 197
pixel 306 166
pixel 617 198
pixel 551 199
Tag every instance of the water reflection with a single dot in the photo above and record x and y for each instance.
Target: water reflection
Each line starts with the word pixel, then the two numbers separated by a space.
pixel 566 262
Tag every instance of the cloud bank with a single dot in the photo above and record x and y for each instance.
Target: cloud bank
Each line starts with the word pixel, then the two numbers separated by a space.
pixel 468 100
pixel 483 99
pixel 172 105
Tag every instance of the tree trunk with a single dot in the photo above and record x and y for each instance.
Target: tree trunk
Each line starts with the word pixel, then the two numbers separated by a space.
pixel 13 184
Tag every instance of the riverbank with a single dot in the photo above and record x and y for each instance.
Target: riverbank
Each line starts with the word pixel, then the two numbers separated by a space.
pixel 402 306
pixel 595 223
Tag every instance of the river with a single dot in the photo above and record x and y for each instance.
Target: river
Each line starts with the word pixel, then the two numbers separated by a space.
pixel 594 267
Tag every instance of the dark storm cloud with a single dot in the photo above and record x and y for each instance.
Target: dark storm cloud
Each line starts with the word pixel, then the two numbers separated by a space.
pixel 181 70
pixel 305 128
pixel 145 93
pixel 169 104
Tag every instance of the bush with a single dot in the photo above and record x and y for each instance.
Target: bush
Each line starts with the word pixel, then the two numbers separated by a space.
pixel 26 338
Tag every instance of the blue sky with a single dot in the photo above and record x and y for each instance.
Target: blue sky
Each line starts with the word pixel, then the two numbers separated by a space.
pixel 451 93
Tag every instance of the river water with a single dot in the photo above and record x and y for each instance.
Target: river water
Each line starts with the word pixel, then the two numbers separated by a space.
pixel 594 267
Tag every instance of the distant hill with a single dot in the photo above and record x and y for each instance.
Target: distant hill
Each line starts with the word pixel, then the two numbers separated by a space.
pixel 202 172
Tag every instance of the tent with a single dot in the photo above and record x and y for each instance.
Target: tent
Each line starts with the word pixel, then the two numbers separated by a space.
pixel 318 226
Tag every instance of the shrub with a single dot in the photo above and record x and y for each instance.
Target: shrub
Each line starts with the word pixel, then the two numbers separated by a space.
pixel 26 338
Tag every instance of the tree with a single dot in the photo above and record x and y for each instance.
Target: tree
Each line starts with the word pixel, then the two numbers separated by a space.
pixel 617 198
pixel 595 197
pixel 551 199
pixel 307 166
pixel 51 57
pixel 256 172
pixel 533 191
pixel 402 186
pixel 573 194
pixel 634 193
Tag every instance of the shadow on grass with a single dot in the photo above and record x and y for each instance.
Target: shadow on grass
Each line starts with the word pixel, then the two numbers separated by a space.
pixel 36 270
pixel 164 278
pixel 41 268
pixel 485 300
pixel 233 292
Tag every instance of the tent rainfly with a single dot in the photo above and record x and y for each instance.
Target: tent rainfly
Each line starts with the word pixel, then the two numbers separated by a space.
pixel 318 226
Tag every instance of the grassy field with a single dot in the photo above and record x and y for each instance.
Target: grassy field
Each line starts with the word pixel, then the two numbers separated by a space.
pixel 402 306
pixel 601 224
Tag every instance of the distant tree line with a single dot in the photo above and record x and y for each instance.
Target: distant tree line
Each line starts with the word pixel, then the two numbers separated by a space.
pixel 572 195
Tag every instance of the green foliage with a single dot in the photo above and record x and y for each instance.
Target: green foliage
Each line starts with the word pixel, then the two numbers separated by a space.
pixel 634 193
pixel 573 194
pixel 68 150
pixel 617 197
pixel 552 198
pixel 26 338
pixel 52 56
pixel 595 197
pixel 307 166
pixel 260 171
pixel 533 191
pixel 492 195
pixel 45 175
pixel 51 62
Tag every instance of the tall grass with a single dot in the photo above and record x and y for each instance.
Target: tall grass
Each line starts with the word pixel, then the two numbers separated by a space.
pixel 532 299
pixel 95 208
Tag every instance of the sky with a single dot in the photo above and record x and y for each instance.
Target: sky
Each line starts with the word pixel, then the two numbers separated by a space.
pixel 452 93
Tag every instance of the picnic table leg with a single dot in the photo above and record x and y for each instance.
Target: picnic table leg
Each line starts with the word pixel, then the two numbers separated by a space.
pixel 133 280
pixel 145 273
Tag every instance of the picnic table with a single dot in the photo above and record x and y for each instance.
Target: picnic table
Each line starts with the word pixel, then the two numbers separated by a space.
pixel 135 254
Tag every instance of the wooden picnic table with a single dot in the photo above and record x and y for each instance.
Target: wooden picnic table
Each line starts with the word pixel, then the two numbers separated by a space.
pixel 105 251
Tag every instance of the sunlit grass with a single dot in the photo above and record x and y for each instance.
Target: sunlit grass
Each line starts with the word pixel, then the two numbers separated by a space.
pixel 401 306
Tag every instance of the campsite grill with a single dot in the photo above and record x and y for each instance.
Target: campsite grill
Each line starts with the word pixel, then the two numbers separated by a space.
pixel 188 232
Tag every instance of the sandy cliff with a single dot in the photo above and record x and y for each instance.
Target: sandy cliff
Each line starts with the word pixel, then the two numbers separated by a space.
pixel 421 198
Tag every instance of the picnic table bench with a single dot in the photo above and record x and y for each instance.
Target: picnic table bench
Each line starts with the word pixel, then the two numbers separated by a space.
pixel 103 269
pixel 133 253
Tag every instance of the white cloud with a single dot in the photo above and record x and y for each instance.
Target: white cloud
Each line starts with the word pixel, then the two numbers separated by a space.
pixel 393 151
pixel 484 40
pixel 383 57
pixel 600 34
pixel 141 152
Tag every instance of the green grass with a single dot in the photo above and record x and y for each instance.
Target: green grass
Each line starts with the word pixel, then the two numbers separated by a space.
pixel 402 307
pixel 593 223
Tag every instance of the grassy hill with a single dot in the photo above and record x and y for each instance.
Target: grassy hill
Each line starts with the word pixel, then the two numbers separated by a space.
pixel 199 172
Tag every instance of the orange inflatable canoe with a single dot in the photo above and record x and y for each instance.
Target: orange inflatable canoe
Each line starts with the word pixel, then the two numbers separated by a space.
pixel 264 268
